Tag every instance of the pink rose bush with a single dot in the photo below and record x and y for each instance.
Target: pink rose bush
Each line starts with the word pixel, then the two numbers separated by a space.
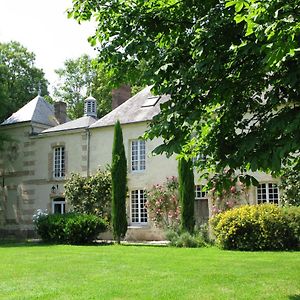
pixel 163 204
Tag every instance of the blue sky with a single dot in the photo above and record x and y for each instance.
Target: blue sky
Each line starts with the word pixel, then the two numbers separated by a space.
pixel 42 27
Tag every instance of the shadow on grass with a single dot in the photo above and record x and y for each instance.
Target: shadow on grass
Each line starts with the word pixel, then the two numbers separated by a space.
pixel 294 297
pixel 38 243
pixel 14 244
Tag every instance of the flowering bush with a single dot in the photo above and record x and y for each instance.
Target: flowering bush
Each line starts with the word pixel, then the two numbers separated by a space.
pixel 235 195
pixel 39 214
pixel 163 204
pixel 257 227
pixel 90 195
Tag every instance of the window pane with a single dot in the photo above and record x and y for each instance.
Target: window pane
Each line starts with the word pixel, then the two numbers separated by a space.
pixel 57 208
pixel 59 162
pixel 267 193
pixel 138 209
pixel 199 193
pixel 138 155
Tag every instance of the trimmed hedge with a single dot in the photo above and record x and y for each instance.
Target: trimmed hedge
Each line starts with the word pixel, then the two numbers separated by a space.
pixel 70 228
pixel 258 227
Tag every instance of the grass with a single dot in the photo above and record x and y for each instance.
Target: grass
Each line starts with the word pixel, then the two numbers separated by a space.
pixel 36 271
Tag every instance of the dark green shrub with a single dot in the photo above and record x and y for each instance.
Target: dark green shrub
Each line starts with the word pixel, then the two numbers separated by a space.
pixel 255 227
pixel 186 194
pixel 83 229
pixel 119 185
pixel 293 215
pixel 51 227
pixel 186 240
pixel 71 228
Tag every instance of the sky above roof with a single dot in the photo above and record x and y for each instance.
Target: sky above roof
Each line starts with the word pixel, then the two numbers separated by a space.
pixel 42 27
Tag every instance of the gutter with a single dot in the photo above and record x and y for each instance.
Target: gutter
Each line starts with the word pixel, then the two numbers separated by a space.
pixel 88 134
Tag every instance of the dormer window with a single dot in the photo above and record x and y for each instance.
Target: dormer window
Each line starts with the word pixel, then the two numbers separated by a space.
pixel 90 108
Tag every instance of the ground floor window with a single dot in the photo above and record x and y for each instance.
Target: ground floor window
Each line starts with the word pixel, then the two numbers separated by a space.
pixel 267 193
pixel 59 206
pixel 199 192
pixel 201 205
pixel 138 209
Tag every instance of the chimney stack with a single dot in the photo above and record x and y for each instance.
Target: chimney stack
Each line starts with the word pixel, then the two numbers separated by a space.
pixel 120 95
pixel 60 111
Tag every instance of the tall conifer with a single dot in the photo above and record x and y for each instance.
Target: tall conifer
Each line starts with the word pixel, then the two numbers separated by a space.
pixel 186 194
pixel 119 185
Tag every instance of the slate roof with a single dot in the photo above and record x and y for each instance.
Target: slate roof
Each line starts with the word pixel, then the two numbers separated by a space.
pixel 38 110
pixel 141 107
pixel 82 122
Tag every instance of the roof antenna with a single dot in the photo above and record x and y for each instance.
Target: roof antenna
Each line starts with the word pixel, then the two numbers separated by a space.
pixel 40 89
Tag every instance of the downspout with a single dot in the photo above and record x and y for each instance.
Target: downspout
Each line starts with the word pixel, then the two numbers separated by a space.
pixel 88 134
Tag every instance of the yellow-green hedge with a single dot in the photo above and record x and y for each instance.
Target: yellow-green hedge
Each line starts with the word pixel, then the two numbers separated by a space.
pixel 257 227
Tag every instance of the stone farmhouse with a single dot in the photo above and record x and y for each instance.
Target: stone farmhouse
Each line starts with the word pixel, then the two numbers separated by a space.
pixel 47 147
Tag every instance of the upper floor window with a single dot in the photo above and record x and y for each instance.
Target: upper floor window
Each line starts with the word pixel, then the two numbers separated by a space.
pixel 59 162
pixel 267 193
pixel 138 155
pixel 58 206
pixel 138 209
pixel 200 193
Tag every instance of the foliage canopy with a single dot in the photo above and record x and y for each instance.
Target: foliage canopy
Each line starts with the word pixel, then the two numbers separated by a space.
pixel 231 67
pixel 80 78
pixel 20 79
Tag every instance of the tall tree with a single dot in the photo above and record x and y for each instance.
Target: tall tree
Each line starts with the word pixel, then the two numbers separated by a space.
pixel 186 194
pixel 119 185
pixel 19 78
pixel 78 79
pixel 232 68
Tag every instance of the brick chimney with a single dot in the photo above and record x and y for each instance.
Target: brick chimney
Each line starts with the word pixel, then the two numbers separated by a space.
pixel 60 111
pixel 120 95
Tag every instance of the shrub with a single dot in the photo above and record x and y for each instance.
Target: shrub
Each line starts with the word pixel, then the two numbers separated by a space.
pixel 293 215
pixel 71 228
pixel 163 204
pixel 290 186
pixel 119 185
pixel 186 194
pixel 186 240
pixel 83 229
pixel 256 227
pixel 90 195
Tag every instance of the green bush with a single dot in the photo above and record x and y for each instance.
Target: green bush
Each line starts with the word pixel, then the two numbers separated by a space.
pixel 90 195
pixel 186 240
pixel 257 227
pixel 71 228
pixel 293 215
pixel 83 229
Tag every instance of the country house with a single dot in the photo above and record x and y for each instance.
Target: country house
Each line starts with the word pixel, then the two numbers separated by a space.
pixel 47 147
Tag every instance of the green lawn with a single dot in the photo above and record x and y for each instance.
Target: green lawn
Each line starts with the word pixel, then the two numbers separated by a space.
pixel 141 272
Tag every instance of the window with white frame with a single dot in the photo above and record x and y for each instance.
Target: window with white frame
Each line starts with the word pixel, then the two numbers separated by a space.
pixel 267 193
pixel 138 155
pixel 200 193
pixel 59 206
pixel 59 162
pixel 138 209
